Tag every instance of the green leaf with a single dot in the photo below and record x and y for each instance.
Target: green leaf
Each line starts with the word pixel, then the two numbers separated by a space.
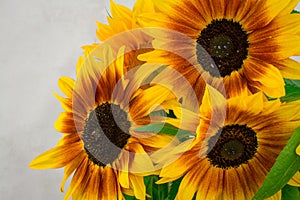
pixel 166 128
pixel 286 165
pixel 158 128
pixel 295 12
pixel 159 113
pixel 174 188
pixel 149 182
pixel 156 191
pixel 290 193
pixel 295 83
pixel 292 90
pixel 127 197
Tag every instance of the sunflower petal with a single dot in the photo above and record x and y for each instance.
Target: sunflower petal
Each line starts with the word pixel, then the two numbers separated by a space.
pixel 298 150
pixel 140 161
pixel 57 157
pixel 65 102
pixel 93 187
pixel 178 168
pixel 109 190
pixel 70 168
pixel 66 124
pixel 289 68
pixel 189 184
pixel 138 185
pixel 295 181
pixel 276 196
pixel 289 7
pixel 123 171
pixel 213 106
pixel 265 76
pixel 143 6
pixel 78 179
pixel 120 11
pixel 143 104
pixel 66 85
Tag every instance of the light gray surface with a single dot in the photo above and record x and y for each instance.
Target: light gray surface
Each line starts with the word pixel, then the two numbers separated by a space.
pixel 39 42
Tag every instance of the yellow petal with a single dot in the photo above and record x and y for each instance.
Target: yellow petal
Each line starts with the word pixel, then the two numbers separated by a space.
pixel 77 179
pixel 155 141
pixel 276 48
pixel 68 139
pixel 66 85
pixel 289 68
pixel 57 157
pixel 295 180
pixel 178 168
pixel 79 63
pixel 298 150
pixel 120 11
pixel 263 13
pixel 187 121
pixel 290 6
pixel 65 124
pixel 65 102
pixel 213 98
pixel 265 77
pixel 87 49
pixel 252 104
pixel 150 98
pixel 123 171
pixel 213 106
pixel 291 112
pixel 70 168
pixel 189 184
pixel 143 6
pixel 236 85
pixel 109 190
pixel 138 186
pixel 93 186
pixel 276 196
pixel 141 162
pixel 170 153
pixel 128 191
pixel 103 31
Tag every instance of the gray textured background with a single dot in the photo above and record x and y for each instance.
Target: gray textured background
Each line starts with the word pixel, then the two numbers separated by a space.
pixel 39 42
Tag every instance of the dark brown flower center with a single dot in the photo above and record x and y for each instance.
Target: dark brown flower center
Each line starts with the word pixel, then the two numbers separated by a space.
pixel 106 132
pixel 232 146
pixel 227 44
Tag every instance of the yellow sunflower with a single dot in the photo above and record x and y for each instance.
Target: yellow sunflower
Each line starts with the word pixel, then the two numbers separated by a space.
pixel 99 146
pixel 237 142
pixel 122 30
pixel 231 43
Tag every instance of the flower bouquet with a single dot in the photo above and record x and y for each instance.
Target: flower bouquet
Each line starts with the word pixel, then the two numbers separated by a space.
pixel 184 100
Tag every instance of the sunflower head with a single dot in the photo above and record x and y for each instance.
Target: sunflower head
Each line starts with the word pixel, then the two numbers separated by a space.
pixel 244 46
pixel 237 142
pixel 99 145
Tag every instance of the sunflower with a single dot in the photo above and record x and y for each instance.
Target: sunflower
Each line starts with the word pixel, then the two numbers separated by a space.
pixel 244 46
pixel 99 144
pixel 122 29
pixel 237 142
